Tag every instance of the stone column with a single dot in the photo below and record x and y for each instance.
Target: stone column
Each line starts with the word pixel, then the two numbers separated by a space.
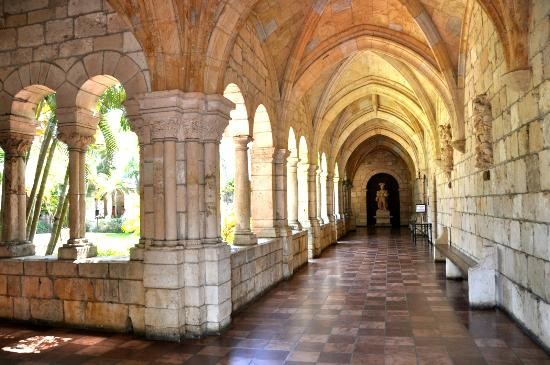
pixel 263 192
pixel 303 194
pixel 292 191
pixel 243 234
pixel 283 229
pixel 77 140
pixel 314 228
pixel 187 270
pixel 318 195
pixel 14 229
pixel 330 206
pixel 337 194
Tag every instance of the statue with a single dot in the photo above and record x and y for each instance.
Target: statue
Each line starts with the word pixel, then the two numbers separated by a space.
pixel 382 197
pixel 483 119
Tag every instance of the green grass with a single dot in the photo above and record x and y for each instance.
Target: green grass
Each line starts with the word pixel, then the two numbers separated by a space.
pixel 113 244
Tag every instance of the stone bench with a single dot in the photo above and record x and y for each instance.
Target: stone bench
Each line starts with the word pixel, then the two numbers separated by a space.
pixel 481 275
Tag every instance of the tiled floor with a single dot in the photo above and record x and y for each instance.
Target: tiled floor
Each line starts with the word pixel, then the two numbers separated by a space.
pixel 372 299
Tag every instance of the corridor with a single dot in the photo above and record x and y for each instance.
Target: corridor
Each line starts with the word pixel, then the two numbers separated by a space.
pixel 371 299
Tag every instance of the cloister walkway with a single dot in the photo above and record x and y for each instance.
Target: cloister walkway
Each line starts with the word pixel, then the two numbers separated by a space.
pixel 372 299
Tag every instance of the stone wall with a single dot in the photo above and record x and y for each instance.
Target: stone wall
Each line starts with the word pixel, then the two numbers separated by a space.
pixel 381 162
pixel 298 252
pixel 98 294
pixel 255 269
pixel 62 32
pixel 326 237
pixel 510 209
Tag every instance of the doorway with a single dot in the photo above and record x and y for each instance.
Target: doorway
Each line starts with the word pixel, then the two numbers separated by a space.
pixel 392 186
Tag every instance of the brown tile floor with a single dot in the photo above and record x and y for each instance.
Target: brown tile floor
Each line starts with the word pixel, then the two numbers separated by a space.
pixel 372 299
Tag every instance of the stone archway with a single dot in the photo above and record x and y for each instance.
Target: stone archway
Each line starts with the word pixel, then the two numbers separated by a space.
pixel 394 206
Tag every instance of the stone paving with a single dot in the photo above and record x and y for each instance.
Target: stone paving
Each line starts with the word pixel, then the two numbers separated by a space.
pixel 372 299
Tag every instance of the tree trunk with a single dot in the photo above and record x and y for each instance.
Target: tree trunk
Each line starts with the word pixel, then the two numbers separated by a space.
pixel 59 216
pixel 39 167
pixel 40 196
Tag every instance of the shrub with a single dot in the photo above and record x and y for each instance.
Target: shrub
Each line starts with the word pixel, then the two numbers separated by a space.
pixel 112 225
pixel 228 229
pixel 43 227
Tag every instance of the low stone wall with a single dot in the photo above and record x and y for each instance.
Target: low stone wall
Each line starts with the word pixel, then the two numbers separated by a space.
pixel 298 250
pixel 340 228
pixel 94 293
pixel 326 237
pixel 255 269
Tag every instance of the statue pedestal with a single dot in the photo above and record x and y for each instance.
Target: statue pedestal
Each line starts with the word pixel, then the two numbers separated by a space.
pixel 383 218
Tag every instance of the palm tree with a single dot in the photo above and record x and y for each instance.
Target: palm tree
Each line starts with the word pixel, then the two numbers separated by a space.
pixel 112 99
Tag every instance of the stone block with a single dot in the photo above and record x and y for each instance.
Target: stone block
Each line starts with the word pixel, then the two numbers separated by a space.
pixel 451 270
pixel 74 289
pixel 75 313
pixel 162 276
pixel 93 270
pixel 90 25
pixel 167 318
pixel 30 35
pixel 109 42
pixel 130 43
pixel 23 6
pixel 49 310
pixel 59 30
pixel 40 16
pixel 536 280
pixel 77 7
pixel 36 287
pixel 62 268
pixel 131 292
pixel 11 267
pixel 106 290
pixel 3 284
pixel 111 316
pixel 126 270
pixel 6 307
pixel 76 47
pixel 164 298
pixel 115 23
pixel 14 285
pixel 21 309
pixel 7 39
pixel 137 317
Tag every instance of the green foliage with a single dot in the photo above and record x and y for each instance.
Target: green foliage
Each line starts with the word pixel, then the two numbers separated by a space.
pixel 228 229
pixel 43 227
pixel 112 225
pixel 113 99
pixel 228 191
pixel 131 219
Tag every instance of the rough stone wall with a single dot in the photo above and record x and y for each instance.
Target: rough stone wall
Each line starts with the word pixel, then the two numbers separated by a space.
pixel 381 162
pixel 101 294
pixel 255 269
pixel 325 238
pixel 61 32
pixel 298 250
pixel 248 69
pixel 511 209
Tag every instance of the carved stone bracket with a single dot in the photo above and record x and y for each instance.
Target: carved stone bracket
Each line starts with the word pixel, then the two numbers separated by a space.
pixel 15 144
pixel 74 139
pixel 483 119
pixel 445 138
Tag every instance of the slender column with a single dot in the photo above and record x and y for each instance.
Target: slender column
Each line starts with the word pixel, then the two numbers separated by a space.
pixel 292 191
pixel 212 191
pixel 303 194
pixel 77 246
pixel 318 195
pixel 14 230
pixel 243 234
pixel 314 248
pixel 279 163
pixel 336 192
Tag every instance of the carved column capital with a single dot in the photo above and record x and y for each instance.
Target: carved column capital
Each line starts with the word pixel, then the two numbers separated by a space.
pixel 241 142
pixel 74 139
pixel 280 156
pixel 15 144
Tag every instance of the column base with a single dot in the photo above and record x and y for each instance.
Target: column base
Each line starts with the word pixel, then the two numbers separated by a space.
pixel 245 239
pixel 76 249
pixel 16 249
pixel 136 252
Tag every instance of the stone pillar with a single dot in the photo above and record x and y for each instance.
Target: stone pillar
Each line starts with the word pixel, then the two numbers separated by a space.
pixel 330 207
pixel 14 228
pixel 337 195
pixel 318 190
pixel 263 192
pixel 292 191
pixel 283 229
pixel 314 228
pixel 303 194
pixel 77 137
pixel 187 270
pixel 243 234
